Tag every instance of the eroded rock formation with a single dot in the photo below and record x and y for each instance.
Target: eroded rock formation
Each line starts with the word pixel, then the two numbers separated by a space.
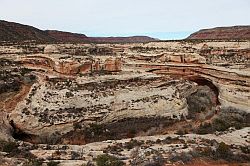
pixel 80 94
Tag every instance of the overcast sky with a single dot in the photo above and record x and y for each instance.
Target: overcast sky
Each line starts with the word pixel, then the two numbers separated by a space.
pixel 165 19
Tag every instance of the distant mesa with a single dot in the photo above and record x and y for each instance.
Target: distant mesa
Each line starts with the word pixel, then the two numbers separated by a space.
pixel 66 36
pixel 130 39
pixel 10 31
pixel 15 32
pixel 233 32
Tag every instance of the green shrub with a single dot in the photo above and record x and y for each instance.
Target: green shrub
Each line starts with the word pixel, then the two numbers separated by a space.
pixel 181 132
pixel 220 124
pixel 77 126
pixel 199 101
pixel 207 151
pixel 228 117
pixel 245 149
pixel 96 129
pixel 223 150
pixel 205 128
pixel 133 143
pixel 107 160
pixel 10 147
pixel 183 156
pixel 131 133
pixel 53 163
pixel 33 162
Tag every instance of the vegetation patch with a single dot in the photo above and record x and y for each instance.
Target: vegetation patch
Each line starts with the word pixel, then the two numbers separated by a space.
pixel 200 102
pixel 53 163
pixel 228 117
pixel 107 160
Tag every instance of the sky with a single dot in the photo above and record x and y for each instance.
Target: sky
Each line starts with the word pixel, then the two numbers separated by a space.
pixel 163 19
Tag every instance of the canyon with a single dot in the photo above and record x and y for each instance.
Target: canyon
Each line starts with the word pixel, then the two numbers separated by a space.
pixel 92 97
pixel 182 102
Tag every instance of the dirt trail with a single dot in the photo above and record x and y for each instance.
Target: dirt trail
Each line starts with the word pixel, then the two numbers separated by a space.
pixel 11 103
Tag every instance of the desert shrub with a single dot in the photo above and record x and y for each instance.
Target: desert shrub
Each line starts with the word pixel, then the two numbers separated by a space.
pixel 181 132
pixel 204 128
pixel 245 149
pixel 152 163
pixel 220 125
pixel 183 156
pixel 2 143
pixel 228 117
pixel 53 163
pixel 107 160
pixel 158 141
pixel 77 126
pixel 33 162
pixel 24 71
pixel 207 151
pixel 133 143
pixel 32 77
pixel 9 147
pixel 131 133
pixel 235 117
pixel 13 151
pixel 96 129
pixel 199 101
pixel 157 160
pixel 69 94
pixel 75 155
pixel 223 151
pixel 89 163
pixel 113 149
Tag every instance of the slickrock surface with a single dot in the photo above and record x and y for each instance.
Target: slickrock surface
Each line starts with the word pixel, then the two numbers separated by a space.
pixel 176 103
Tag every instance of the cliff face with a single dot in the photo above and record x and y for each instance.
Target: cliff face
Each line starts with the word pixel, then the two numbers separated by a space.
pixel 235 32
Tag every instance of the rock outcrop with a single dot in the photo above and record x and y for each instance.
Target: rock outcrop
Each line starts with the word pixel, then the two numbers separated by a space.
pixel 71 66
pixel 74 102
